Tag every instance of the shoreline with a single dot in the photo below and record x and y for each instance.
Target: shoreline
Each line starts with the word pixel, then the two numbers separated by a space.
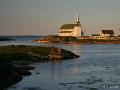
pixel 74 40
pixel 15 61
pixel 76 43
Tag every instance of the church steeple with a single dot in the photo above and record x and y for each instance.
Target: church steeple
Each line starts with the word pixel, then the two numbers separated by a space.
pixel 78 19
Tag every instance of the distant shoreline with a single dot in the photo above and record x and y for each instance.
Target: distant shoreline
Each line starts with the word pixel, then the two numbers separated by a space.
pixel 74 40
pixel 5 39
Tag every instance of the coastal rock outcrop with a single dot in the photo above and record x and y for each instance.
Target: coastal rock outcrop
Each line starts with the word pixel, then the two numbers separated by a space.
pixel 14 61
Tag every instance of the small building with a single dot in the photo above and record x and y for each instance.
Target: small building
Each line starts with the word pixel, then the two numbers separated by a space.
pixel 106 33
pixel 73 30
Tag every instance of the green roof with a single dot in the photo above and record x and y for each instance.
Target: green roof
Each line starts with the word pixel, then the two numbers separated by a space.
pixel 69 26
pixel 65 31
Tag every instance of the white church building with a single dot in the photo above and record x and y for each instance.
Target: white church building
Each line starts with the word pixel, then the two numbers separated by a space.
pixel 73 30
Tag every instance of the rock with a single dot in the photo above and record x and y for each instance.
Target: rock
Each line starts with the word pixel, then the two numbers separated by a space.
pixel 37 73
pixel 14 58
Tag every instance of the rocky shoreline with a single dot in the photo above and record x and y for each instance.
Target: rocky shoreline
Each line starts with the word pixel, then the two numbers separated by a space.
pixel 74 40
pixel 15 60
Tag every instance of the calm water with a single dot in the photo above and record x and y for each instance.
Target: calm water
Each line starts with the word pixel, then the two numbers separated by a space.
pixel 98 68
pixel 18 40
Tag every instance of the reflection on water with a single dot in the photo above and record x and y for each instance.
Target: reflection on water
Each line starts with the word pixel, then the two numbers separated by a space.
pixel 98 68
pixel 55 69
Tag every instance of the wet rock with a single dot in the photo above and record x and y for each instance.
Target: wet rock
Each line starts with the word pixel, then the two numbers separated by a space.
pixel 62 84
pixel 13 78
pixel 37 73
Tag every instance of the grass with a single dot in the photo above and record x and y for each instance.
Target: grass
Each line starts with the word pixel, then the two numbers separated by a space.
pixel 23 50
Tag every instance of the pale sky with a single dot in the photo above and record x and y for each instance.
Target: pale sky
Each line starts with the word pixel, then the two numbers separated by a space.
pixel 45 17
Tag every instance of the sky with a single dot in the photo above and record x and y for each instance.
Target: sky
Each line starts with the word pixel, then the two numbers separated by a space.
pixel 45 17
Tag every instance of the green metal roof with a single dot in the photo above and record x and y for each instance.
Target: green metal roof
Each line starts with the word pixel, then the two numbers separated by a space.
pixel 65 31
pixel 69 26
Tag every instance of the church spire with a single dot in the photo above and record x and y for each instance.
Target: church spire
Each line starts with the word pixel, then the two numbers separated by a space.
pixel 78 19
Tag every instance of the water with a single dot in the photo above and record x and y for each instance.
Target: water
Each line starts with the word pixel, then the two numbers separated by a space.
pixel 19 40
pixel 98 68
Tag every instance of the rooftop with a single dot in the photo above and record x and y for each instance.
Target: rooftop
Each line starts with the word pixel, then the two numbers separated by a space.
pixel 107 32
pixel 65 31
pixel 69 26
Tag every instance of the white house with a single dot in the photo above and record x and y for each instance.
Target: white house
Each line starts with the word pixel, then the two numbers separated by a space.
pixel 73 30
pixel 106 33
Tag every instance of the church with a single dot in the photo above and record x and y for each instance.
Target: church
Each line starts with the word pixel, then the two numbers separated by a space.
pixel 73 30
